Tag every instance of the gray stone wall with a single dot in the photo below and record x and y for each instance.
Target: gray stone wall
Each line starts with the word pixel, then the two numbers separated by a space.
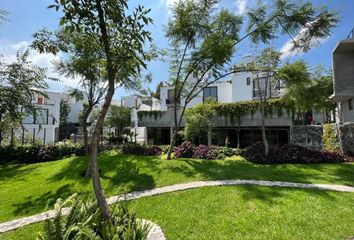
pixel 308 136
pixel 346 135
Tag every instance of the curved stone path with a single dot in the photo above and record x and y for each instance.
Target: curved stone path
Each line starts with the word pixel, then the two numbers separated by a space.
pixel 14 224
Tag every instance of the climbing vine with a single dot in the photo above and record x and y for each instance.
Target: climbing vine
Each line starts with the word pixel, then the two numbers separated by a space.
pixel 235 111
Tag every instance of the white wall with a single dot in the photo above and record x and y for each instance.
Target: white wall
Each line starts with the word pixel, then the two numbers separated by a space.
pixel 240 90
pixel 224 89
pixel 49 129
pixel 347 115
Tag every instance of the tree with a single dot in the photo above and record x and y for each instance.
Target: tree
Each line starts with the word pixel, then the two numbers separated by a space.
pixel 266 64
pixel 307 90
pixel 119 39
pixel 204 41
pixel 20 82
pixel 63 119
pixel 119 117
pixel 199 121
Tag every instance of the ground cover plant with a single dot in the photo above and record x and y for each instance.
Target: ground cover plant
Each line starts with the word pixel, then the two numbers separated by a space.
pixel 28 189
pixel 84 222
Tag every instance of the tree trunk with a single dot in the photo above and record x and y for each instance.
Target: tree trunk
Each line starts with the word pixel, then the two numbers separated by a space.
pixel 264 135
pixel 96 182
pixel 174 135
pixel 86 142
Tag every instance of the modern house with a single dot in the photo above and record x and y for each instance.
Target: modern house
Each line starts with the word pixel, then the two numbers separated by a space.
pixel 343 79
pixel 44 125
pixel 136 104
pixel 241 87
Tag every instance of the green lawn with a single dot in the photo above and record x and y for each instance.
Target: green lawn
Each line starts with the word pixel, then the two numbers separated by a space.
pixel 27 189
pixel 242 212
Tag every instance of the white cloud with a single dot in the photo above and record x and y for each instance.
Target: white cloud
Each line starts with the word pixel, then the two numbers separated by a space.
pixel 288 49
pixel 169 3
pixel 241 6
pixel 9 49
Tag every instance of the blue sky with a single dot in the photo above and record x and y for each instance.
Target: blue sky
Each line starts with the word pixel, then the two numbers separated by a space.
pixel 28 16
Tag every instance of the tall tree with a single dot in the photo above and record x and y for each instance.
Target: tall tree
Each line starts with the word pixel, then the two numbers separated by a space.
pixel 119 39
pixel 204 40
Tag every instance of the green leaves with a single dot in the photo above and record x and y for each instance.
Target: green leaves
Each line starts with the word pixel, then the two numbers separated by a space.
pixel 20 82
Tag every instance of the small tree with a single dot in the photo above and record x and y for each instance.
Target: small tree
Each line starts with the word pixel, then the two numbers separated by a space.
pixel 119 117
pixel 307 90
pixel 199 121
pixel 266 64
pixel 63 119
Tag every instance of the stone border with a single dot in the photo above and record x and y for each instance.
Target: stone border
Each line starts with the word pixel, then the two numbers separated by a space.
pixel 14 224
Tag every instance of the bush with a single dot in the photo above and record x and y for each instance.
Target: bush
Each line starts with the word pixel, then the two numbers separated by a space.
pixel 84 222
pixel 330 140
pixel 36 153
pixel 185 150
pixel 291 154
pixel 206 152
pixel 137 149
pixel 224 152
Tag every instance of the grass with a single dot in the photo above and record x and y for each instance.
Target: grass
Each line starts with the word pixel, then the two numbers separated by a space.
pixel 242 212
pixel 28 189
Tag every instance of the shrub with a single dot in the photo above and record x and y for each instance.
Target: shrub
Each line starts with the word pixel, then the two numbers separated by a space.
pixel 206 152
pixel 291 154
pixel 84 222
pixel 37 153
pixel 185 150
pixel 137 149
pixel 224 152
pixel 330 141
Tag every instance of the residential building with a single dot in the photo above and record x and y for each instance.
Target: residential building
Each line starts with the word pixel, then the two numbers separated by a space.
pixel 343 79
pixel 242 86
pixel 44 125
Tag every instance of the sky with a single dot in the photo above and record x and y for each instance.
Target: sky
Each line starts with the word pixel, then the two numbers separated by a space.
pixel 26 17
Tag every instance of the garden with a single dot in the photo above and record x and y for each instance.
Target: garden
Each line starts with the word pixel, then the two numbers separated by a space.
pixel 29 188
pixel 114 188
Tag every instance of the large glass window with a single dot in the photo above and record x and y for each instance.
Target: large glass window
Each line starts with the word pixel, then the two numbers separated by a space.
pixel 210 93
pixel 41 117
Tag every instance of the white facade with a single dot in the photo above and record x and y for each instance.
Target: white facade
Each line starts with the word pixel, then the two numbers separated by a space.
pixel 223 89
pixel 45 126
pixel 136 103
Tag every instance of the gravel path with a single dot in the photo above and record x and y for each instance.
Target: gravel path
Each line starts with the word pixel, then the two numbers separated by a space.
pixel 158 235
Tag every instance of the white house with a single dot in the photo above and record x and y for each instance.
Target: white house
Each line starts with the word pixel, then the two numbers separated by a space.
pixel 44 125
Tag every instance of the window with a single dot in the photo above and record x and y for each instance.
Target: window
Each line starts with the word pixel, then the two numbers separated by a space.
pixel 170 96
pixel 254 88
pixel 248 81
pixel 210 92
pixel 42 116
pixel 350 103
